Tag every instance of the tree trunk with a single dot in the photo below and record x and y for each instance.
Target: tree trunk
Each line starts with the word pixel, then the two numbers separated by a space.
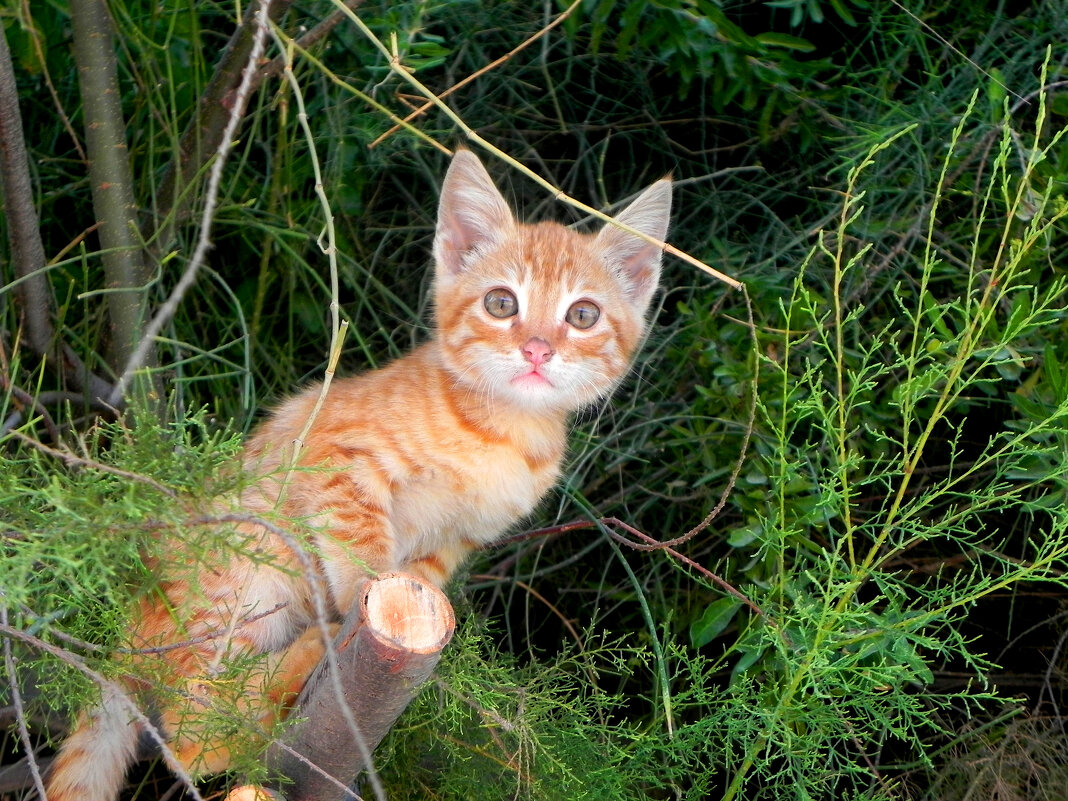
pixel 386 648
pixel 111 179
pixel 34 294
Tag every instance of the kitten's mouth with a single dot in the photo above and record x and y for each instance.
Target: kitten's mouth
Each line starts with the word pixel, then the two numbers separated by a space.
pixel 531 379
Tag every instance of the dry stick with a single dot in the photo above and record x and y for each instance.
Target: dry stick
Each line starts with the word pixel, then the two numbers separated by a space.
pixel 559 194
pixel 479 73
pixel 211 200
pixel 213 109
pixel 20 714
pixel 337 328
pixel 103 683
pixel 370 101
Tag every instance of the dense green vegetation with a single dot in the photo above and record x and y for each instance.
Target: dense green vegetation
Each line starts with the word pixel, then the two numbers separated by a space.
pixel 879 420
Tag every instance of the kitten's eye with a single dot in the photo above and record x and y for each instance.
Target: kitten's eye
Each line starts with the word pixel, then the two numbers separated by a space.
pixel 500 303
pixel 583 314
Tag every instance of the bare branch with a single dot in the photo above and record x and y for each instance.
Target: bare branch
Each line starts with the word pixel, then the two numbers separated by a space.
pixel 20 714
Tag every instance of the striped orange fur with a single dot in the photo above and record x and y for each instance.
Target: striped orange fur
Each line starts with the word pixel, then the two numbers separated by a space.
pixel 410 467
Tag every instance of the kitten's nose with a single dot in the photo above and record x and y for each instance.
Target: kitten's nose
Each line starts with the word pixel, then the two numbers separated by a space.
pixel 537 351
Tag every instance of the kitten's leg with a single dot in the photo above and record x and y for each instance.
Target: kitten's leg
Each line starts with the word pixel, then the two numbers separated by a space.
pixel 265 696
pixel 438 566
pixel 358 539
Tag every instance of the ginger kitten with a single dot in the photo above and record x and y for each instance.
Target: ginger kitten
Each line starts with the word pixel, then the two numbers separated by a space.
pixel 410 467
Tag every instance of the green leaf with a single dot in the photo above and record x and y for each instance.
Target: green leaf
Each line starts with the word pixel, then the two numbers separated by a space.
pixel 716 617
pixel 785 40
pixel 1054 372
pixel 843 12
pixel 750 656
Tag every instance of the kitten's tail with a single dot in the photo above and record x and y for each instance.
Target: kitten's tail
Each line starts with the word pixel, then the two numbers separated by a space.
pixel 91 764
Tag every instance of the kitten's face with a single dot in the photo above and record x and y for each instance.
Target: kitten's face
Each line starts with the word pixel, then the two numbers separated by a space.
pixel 538 321
pixel 537 316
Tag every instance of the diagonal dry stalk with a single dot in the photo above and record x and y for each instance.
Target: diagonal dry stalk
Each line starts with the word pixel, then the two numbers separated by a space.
pixel 392 55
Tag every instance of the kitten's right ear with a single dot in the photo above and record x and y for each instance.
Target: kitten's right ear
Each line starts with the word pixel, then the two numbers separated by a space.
pixel 472 213
pixel 634 260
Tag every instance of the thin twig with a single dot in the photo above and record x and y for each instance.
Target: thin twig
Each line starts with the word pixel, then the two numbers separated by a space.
pixel 274 68
pixel 563 15
pixel 216 634
pixel 337 328
pixel 73 460
pixel 20 713
pixel 648 544
pixel 117 692
pixel 746 437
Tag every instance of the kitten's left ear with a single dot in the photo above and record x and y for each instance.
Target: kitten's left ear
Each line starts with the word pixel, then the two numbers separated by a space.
pixel 636 261
pixel 472 214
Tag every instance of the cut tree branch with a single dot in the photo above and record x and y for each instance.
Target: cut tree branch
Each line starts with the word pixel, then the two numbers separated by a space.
pixel 386 648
